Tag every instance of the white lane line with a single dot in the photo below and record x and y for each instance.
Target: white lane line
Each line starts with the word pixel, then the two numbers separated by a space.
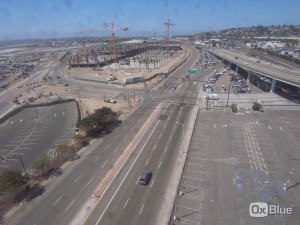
pixel 125 137
pixel 166 149
pixel 125 204
pixel 55 115
pixel 152 183
pixel 154 147
pixel 114 195
pixel 215 125
pixel 4 166
pixel 77 179
pixel 270 127
pixel 280 128
pixel 70 206
pixel 159 136
pixel 103 164
pixel 137 181
pixel 11 122
pixel 57 200
pixel 141 209
pixel 21 120
pixel 95 159
pixel 90 181
pixel 159 165
pixel 63 113
pixel 107 146
pixel 165 126
pixel 116 148
pixel 147 161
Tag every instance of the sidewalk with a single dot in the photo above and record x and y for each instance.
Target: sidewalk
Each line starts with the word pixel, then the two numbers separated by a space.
pixel 174 180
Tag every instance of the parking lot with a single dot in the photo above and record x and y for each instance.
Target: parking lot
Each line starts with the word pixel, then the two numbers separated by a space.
pixel 35 132
pixel 237 159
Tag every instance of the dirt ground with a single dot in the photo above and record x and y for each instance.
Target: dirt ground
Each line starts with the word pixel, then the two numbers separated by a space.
pixel 105 72
pixel 89 105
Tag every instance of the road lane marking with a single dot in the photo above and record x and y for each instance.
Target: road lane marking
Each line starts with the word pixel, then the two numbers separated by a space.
pixel 114 195
pixel 90 181
pixel 57 200
pixel 159 136
pixel 165 126
pixel 137 181
pixel 154 147
pixel 125 204
pixel 103 164
pixel 147 161
pixel 141 209
pixel 125 137
pixel 159 165
pixel 63 113
pixel 116 149
pixel 21 120
pixel 270 127
pixel 215 125
pixel 77 179
pixel 95 159
pixel 107 146
pixel 152 182
pixel 166 149
pixel 55 115
pixel 70 206
pixel 280 128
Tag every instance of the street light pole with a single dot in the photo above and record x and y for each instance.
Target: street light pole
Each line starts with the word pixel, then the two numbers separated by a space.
pixel 22 164
pixel 181 135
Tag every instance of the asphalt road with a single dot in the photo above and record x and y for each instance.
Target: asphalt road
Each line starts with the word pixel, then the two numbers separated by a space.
pixel 280 72
pixel 35 132
pixel 65 195
pixel 7 96
pixel 128 202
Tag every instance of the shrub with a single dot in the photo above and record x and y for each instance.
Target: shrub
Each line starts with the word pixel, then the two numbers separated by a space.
pixel 257 106
pixel 234 108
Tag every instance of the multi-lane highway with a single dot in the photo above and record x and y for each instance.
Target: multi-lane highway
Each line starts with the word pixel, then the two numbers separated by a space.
pixel 287 75
pixel 65 196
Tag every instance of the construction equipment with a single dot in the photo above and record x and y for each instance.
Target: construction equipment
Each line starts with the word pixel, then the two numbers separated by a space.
pixel 113 30
pixel 168 24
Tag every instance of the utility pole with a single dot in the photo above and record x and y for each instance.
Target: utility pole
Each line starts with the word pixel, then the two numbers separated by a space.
pixel 228 95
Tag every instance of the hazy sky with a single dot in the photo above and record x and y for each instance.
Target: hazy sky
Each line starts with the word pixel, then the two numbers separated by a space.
pixel 57 18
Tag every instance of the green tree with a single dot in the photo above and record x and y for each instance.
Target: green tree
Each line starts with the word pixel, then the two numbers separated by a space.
pixel 41 163
pixel 11 181
pixel 99 120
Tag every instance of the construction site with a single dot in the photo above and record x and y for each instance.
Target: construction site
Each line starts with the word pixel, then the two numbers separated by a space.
pixel 126 62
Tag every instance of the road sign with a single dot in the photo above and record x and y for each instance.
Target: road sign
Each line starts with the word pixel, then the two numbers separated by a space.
pixel 195 71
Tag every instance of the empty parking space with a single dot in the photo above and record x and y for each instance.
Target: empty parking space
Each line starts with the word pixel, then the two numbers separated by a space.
pixel 237 159
pixel 35 132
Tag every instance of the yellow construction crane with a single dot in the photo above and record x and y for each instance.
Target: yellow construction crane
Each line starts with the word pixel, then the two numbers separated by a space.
pixel 168 24
pixel 113 30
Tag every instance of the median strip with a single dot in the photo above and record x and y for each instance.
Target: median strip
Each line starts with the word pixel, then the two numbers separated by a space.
pixel 91 203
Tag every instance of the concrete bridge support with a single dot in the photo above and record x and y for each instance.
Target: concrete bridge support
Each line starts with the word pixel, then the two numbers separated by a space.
pixel 273 86
pixel 249 76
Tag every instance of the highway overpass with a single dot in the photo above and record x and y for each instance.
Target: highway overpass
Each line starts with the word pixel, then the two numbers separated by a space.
pixel 258 67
